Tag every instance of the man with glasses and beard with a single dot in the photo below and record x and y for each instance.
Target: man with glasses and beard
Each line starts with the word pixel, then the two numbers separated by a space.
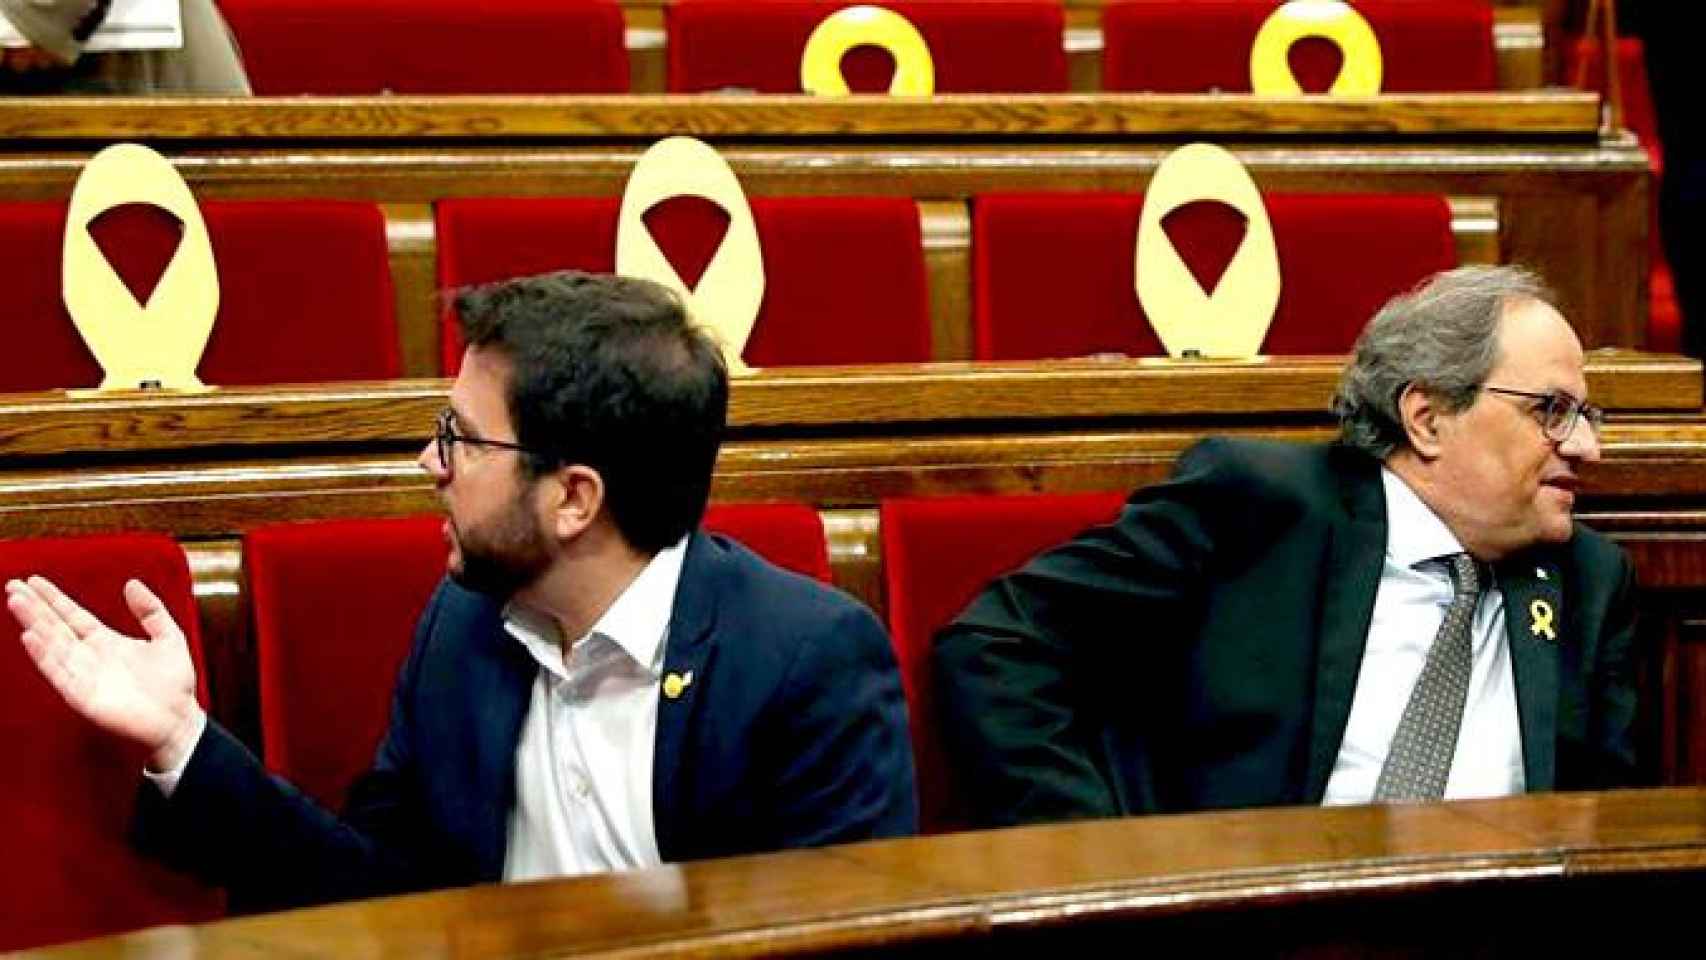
pixel 1407 614
pixel 597 686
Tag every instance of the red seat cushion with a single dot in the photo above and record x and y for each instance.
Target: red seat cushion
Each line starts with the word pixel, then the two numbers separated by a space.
pixel 70 871
pixel 977 46
pixel 1167 46
pixel 844 276
pixel 305 291
pixel 430 46
pixel 1341 257
pixel 335 604
pixel 790 535
pixel 937 554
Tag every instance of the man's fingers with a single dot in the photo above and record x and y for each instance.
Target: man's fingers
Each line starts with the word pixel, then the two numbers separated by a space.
pixel 32 612
pixel 81 621
pixel 149 611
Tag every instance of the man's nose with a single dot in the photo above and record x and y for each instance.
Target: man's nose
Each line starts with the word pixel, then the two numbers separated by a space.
pixel 1582 443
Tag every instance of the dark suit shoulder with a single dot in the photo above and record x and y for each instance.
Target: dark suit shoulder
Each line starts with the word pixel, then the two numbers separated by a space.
pixel 762 599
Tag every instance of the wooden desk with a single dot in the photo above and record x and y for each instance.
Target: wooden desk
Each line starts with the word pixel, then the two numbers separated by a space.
pixel 1532 168
pixel 1521 876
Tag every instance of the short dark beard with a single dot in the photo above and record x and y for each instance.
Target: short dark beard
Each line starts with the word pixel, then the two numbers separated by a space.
pixel 508 555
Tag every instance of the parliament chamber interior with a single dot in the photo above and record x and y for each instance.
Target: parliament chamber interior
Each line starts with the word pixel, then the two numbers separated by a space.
pixel 950 373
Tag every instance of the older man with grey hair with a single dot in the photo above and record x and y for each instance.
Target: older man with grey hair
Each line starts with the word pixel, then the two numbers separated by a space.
pixel 1406 614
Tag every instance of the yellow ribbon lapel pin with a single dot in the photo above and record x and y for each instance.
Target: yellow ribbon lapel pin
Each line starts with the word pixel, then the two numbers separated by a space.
pixel 676 684
pixel 1540 620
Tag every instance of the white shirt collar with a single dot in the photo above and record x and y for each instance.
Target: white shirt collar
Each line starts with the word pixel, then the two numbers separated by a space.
pixel 637 622
pixel 1414 533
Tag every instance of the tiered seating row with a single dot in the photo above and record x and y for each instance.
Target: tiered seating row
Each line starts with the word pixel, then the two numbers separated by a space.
pixel 309 288
pixel 538 46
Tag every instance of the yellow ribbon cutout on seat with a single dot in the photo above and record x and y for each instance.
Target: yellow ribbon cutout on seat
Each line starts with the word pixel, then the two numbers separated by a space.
pixel 1334 20
pixel 159 344
pixel 841 31
pixel 1540 620
pixel 731 290
pixel 1233 321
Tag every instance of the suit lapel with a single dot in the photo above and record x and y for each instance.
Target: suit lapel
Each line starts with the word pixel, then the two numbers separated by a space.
pixel 1534 620
pixel 687 658
pixel 501 680
pixel 1355 558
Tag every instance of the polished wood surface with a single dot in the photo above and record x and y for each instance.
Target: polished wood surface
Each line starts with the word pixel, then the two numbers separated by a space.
pixel 1465 878
pixel 935 397
pixel 1552 114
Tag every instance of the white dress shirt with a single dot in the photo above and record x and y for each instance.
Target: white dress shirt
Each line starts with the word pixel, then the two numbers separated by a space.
pixel 583 766
pixel 1409 606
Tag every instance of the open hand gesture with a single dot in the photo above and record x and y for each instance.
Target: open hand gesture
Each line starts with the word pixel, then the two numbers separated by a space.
pixel 140 689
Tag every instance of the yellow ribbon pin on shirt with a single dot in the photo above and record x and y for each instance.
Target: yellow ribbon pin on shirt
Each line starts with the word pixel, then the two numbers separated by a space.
pixel 676 683
pixel 1540 614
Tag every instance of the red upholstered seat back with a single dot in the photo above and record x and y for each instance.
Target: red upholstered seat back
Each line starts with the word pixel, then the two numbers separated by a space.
pixel 335 604
pixel 844 276
pixel 937 554
pixel 1168 46
pixel 305 291
pixel 430 46
pixel 978 46
pixel 790 535
pixel 1053 274
pixel 70 871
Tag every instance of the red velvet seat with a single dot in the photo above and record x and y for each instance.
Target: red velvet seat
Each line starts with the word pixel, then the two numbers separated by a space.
pixel 305 291
pixel 70 871
pixel 790 535
pixel 844 276
pixel 1052 274
pixel 937 554
pixel 978 46
pixel 335 604
pixel 1168 46
pixel 355 47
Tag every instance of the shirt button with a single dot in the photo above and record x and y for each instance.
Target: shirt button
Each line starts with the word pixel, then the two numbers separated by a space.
pixel 581 787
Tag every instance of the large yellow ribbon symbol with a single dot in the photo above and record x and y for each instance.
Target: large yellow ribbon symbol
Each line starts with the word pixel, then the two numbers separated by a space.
pixel 841 31
pixel 160 344
pixel 1334 20
pixel 1233 321
pixel 731 290
pixel 1540 620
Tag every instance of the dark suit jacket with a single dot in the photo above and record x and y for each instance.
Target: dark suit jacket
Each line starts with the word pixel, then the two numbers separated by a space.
pixel 1202 651
pixel 793 732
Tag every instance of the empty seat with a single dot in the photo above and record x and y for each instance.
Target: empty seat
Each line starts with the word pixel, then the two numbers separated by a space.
pixel 937 554
pixel 845 278
pixel 1168 46
pixel 354 47
pixel 335 604
pixel 978 46
pixel 305 291
pixel 1053 274
pixel 70 871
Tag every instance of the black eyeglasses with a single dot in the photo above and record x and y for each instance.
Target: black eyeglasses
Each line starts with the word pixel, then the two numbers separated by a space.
pixel 1557 411
pixel 445 435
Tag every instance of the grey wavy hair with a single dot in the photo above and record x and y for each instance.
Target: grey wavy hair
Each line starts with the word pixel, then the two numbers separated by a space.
pixel 1443 336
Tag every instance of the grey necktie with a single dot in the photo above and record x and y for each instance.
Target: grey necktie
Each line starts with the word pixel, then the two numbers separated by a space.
pixel 1419 762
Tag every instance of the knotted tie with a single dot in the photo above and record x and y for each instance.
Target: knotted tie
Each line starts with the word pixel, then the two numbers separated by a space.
pixel 1419 762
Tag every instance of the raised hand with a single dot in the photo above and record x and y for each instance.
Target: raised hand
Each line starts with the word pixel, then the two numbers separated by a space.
pixel 140 689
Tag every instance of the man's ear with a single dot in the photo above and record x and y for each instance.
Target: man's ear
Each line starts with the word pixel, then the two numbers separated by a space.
pixel 576 497
pixel 1421 414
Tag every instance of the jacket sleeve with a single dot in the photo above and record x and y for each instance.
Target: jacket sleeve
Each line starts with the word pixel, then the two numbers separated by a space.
pixel 57 26
pixel 845 769
pixel 272 847
pixel 1025 675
